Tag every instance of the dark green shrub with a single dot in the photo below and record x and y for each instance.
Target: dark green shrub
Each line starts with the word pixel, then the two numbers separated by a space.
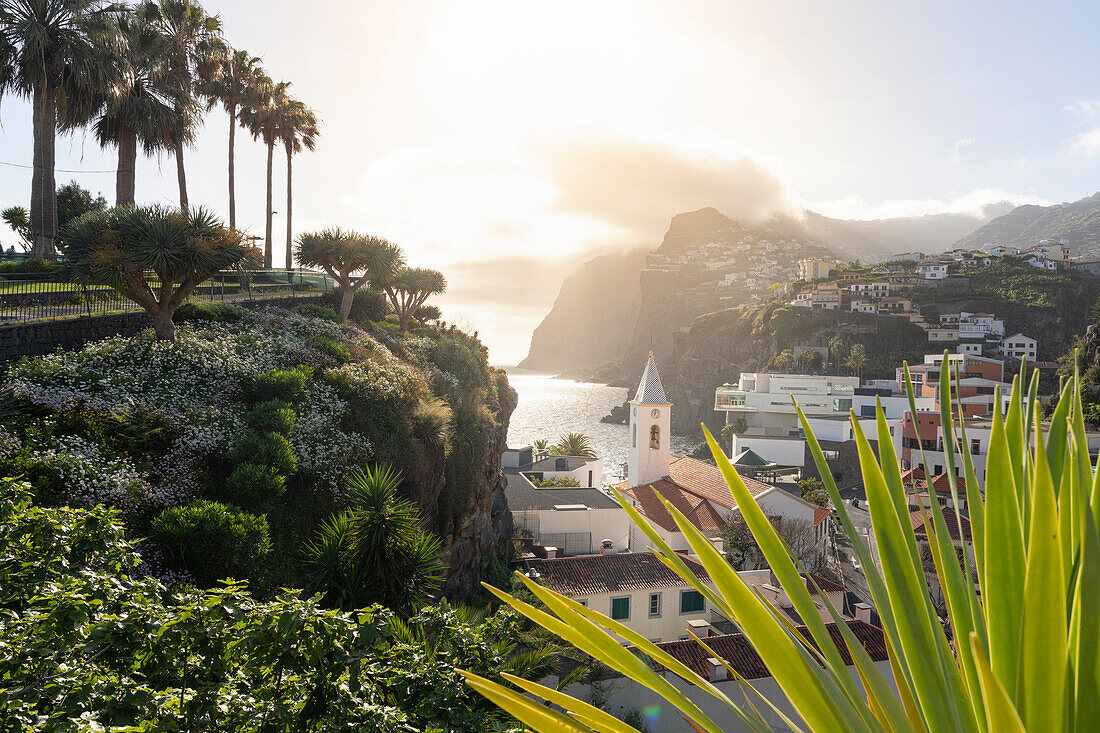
pixel 432 421
pixel 272 416
pixel 279 384
pixel 29 265
pixel 210 312
pixel 254 486
pixel 314 310
pixel 211 541
pixel 332 348
pixel 268 449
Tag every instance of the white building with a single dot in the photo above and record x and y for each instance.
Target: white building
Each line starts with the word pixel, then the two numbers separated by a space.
pixel 764 399
pixel 1020 346
pixel 980 326
pixel 815 269
pixel 932 270
pixel 1040 261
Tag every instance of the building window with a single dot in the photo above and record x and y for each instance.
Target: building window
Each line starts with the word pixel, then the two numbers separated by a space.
pixel 620 608
pixel 634 437
pixel 654 605
pixel 654 438
pixel 692 601
pixel 975 446
pixel 589 479
pixel 583 602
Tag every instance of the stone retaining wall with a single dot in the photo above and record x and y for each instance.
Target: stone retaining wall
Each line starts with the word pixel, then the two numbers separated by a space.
pixel 45 337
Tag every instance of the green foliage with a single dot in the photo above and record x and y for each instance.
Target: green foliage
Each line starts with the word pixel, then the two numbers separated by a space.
pixel 433 422
pixel 272 416
pixel 268 449
pixel 204 311
pixel 332 348
pixel 783 361
pixel 254 486
pixel 377 551
pixel 209 541
pixel 87 645
pixel 320 311
pixel 813 490
pixel 555 482
pixel 286 385
pixel 29 265
pixel 367 305
pixel 574 444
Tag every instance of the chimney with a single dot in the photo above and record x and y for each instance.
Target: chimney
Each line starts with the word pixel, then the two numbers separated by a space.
pixel 561 464
pixel 717 542
pixel 717 670
pixel 607 547
pixel 699 627
pixel 551 553
pixel 863 613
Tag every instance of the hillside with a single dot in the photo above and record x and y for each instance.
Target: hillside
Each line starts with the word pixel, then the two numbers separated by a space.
pixel 614 309
pixel 267 411
pixel 1078 223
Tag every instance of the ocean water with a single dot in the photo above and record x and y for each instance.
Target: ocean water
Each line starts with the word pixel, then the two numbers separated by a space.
pixel 549 408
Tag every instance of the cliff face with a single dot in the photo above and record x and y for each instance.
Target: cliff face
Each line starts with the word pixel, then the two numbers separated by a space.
pixel 589 323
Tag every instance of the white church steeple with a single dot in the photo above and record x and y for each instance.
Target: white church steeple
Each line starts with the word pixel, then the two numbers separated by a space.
pixel 650 420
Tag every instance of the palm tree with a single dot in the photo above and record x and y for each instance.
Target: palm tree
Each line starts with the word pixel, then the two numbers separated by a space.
pixel 59 54
pixel 377 551
pixel 857 357
pixel 297 129
pixel 143 108
pixel 341 253
pixel 193 47
pixel 121 247
pixel 264 120
pixel 234 83
pixel 574 444
pixel 409 287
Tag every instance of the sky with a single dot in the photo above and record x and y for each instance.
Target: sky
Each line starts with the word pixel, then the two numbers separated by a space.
pixel 505 142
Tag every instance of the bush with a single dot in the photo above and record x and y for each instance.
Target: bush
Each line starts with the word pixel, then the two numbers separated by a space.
pixel 208 312
pixel 320 311
pixel 332 348
pixel 433 421
pixel 268 449
pixel 272 416
pixel 211 541
pixel 279 384
pixel 254 486
pixel 29 265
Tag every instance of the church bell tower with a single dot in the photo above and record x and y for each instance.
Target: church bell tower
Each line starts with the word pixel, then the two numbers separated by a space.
pixel 650 421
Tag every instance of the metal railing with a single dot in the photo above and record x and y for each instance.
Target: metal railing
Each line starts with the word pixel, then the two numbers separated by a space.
pixel 26 297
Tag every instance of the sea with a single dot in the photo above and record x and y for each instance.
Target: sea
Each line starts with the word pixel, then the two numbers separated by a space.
pixel 550 407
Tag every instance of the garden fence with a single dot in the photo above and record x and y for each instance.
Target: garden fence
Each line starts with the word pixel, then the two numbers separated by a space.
pixel 26 297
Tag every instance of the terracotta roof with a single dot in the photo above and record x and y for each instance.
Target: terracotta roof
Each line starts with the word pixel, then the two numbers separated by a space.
pixel 737 650
pixel 628 571
pixel 941 482
pixel 820 515
pixel 826 585
pixel 691 486
pixel 950 518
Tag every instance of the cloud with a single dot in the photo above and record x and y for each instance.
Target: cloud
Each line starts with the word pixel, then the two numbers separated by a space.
pixel 1087 143
pixel 974 203
pixel 960 144
pixel 1085 109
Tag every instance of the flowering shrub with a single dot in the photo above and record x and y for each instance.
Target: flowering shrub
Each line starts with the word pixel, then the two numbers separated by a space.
pixel 266 409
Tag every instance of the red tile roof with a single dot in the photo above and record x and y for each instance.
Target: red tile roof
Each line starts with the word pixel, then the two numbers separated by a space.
pixel 914 477
pixel 622 572
pixel 691 486
pixel 826 585
pixel 950 518
pixel 820 515
pixel 737 650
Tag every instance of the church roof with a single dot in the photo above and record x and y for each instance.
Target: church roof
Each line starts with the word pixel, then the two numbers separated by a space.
pixel 650 389
pixel 751 459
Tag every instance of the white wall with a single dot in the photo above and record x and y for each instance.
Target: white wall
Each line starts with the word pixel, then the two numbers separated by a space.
pixel 778 502
pixel 784 451
pixel 613 524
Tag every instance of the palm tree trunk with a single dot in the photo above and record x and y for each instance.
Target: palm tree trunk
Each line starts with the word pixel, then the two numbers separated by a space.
pixel 181 175
pixel 43 214
pixel 289 209
pixel 125 177
pixel 267 230
pixel 232 182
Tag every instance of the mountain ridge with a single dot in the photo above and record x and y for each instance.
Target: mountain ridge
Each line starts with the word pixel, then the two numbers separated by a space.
pixel 1076 222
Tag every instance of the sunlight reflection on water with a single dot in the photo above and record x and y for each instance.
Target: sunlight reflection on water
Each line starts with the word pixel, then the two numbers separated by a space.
pixel 549 408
